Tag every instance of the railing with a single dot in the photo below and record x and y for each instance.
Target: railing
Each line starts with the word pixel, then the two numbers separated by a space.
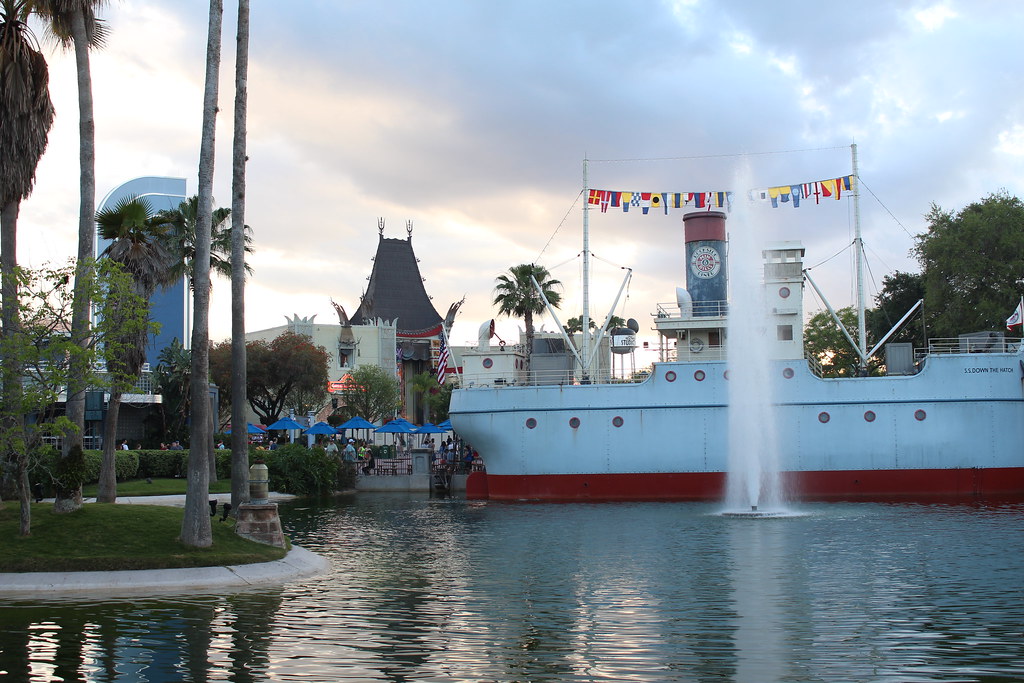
pixel 698 309
pixel 968 344
pixel 549 378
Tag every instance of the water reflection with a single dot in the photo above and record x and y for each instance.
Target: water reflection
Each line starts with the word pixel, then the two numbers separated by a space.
pixel 441 589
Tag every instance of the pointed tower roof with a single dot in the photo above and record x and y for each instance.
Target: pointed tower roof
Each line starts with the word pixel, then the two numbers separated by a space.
pixel 396 291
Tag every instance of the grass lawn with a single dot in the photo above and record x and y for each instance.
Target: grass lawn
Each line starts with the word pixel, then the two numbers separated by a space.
pixel 105 537
pixel 158 487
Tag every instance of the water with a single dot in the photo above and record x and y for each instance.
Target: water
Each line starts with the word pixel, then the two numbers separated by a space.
pixel 449 590
pixel 753 481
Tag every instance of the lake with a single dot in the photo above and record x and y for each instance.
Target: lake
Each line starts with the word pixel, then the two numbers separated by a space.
pixel 438 589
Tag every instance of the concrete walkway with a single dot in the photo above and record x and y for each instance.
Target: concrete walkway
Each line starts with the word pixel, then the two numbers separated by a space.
pixel 297 564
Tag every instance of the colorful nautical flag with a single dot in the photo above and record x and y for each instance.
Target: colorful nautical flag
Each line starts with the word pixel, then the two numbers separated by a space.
pixel 442 362
pixel 1017 318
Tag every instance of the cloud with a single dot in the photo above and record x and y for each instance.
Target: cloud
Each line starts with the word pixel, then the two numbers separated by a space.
pixel 472 121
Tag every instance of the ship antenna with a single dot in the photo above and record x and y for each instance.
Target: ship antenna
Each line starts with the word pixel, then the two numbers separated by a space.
pixel 585 339
pixel 862 341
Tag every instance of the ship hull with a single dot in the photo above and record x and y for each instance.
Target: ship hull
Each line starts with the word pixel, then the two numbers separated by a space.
pixel 955 429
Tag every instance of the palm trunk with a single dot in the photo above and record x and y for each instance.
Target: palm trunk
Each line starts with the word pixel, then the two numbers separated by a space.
pixel 11 420
pixel 195 526
pixel 79 370
pixel 106 491
pixel 239 436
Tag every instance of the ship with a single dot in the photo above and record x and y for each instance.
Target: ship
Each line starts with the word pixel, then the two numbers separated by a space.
pixel 943 421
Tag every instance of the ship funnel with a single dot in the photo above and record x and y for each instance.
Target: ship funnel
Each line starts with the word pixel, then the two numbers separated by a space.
pixel 706 278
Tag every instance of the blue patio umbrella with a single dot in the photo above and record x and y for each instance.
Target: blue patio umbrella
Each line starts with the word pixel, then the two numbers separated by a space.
pixel 429 428
pixel 446 425
pixel 357 423
pixel 398 426
pixel 250 428
pixel 285 423
pixel 321 428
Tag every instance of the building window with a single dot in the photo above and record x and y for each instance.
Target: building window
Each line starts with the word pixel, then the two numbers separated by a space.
pixel 784 332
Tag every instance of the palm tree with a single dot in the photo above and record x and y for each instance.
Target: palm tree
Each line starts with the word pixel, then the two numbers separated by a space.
pixel 26 114
pixel 573 325
pixel 137 247
pixel 195 525
pixel 515 295
pixel 74 24
pixel 239 244
pixel 180 239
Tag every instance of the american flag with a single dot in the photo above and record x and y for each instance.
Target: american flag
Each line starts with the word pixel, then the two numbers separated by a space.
pixel 442 362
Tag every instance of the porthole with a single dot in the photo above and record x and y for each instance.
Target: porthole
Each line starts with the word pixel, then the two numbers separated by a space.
pixel 488 362
pixel 699 375
pixel 824 417
pixel 869 416
pixel 531 423
pixel 784 292
pixel 574 422
pixel 617 421
pixel 920 415
pixel 670 376
pixel 725 374
pixel 788 373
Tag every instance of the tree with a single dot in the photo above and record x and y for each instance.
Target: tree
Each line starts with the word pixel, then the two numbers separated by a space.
pixel 516 296
pixel 26 114
pixel 46 352
pixel 435 398
pixel 972 262
pixel 180 239
pixel 195 526
pixel 172 377
pixel 372 393
pixel 239 235
pixel 134 244
pixel 74 24
pixel 573 325
pixel 288 372
pixel 826 344
pixel 900 291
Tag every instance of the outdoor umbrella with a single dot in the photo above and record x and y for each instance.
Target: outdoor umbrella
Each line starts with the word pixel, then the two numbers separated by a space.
pixel 446 425
pixel 398 426
pixel 357 423
pixel 429 428
pixel 321 428
pixel 286 423
pixel 250 428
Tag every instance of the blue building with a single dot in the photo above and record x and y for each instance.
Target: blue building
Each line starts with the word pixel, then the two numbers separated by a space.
pixel 171 307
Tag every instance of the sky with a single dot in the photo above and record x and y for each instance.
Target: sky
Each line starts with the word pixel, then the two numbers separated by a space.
pixel 472 120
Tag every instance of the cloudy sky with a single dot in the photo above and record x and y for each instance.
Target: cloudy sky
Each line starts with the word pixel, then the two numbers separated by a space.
pixel 472 120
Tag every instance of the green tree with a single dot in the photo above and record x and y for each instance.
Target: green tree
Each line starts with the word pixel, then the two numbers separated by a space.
pixel 26 114
pixel 195 525
pixel 826 344
pixel 515 295
pixel 573 325
pixel 900 291
pixel 288 372
pixel 239 245
pixel 972 262
pixel 179 235
pixel 372 393
pixel 74 24
pixel 435 398
pixel 172 374
pixel 137 247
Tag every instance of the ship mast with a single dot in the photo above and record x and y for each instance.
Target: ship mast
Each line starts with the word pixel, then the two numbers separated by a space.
pixel 585 319
pixel 862 340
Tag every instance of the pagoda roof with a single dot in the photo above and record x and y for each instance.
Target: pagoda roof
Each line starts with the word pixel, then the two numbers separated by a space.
pixel 396 292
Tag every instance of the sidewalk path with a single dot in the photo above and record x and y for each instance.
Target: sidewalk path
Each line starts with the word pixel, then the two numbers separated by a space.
pixel 299 563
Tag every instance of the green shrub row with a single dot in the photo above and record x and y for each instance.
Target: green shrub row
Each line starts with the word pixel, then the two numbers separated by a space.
pixel 292 468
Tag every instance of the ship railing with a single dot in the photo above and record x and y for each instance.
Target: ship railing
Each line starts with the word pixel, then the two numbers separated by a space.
pixel 968 344
pixel 696 309
pixel 548 377
pixel 684 353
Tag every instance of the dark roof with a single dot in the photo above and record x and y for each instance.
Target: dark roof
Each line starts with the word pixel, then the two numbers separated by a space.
pixel 396 291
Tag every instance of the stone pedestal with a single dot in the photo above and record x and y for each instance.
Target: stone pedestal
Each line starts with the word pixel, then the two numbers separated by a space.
pixel 260 522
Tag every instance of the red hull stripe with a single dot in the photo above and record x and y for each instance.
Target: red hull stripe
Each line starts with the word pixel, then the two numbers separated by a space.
pixel 710 486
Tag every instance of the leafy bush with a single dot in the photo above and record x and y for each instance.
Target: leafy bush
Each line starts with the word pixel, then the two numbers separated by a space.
pixel 126 465
pixel 301 471
pixel 162 464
